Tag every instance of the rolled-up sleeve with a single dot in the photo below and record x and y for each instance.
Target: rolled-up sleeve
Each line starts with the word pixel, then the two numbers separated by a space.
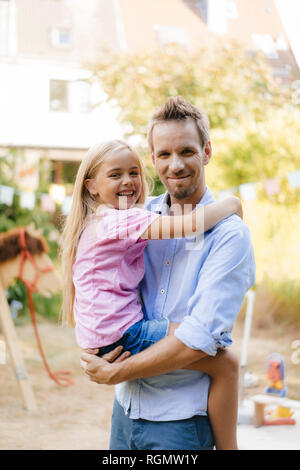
pixel 225 277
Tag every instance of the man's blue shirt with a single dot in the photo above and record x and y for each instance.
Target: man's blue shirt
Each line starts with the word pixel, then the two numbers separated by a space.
pixel 199 282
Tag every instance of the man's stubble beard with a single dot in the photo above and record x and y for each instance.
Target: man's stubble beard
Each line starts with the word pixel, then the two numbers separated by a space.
pixel 181 193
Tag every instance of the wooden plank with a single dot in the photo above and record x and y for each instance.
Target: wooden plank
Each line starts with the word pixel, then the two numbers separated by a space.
pixel 2 352
pixel 11 339
pixel 275 400
pixel 259 414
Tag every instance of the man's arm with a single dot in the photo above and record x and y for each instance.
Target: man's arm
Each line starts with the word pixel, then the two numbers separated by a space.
pixel 224 279
pixel 164 356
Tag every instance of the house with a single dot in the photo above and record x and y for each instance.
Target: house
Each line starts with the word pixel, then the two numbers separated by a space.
pixel 47 103
pixel 48 107
pixel 258 24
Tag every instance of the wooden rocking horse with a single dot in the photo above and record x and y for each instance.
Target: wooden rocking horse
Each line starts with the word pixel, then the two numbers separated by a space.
pixel 23 255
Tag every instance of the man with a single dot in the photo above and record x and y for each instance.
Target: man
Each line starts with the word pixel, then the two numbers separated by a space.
pixel 200 284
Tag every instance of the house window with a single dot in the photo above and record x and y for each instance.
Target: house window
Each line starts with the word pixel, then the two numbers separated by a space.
pixel 171 34
pixel 217 16
pixel 283 71
pixel 281 44
pixel 61 37
pixel 266 44
pixel 268 8
pixel 231 10
pixel 72 96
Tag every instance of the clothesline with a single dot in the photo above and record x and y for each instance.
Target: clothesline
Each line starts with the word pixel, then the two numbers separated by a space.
pixel 48 201
pixel 57 193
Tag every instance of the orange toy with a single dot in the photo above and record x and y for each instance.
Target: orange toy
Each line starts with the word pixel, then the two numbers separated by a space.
pixel 275 373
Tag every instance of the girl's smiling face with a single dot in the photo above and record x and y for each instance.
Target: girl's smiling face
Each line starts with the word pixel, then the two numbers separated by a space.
pixel 118 182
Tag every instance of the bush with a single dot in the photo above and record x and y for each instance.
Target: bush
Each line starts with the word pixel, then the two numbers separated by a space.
pixel 275 232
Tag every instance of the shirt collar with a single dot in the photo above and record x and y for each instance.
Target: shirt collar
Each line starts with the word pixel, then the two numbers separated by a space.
pixel 160 205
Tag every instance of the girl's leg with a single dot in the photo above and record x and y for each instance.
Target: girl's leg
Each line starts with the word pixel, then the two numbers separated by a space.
pixel 223 395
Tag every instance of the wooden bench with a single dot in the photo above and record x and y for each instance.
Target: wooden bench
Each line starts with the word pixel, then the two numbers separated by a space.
pixel 260 401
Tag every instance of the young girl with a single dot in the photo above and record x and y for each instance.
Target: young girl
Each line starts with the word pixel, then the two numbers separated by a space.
pixel 102 258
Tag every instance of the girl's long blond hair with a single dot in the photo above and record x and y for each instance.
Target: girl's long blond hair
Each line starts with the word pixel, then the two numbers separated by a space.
pixel 84 204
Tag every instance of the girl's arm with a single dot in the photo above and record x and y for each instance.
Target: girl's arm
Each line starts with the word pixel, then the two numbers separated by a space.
pixel 195 222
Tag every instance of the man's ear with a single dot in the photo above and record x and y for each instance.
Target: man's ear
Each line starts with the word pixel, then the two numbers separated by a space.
pixel 207 153
pixel 90 186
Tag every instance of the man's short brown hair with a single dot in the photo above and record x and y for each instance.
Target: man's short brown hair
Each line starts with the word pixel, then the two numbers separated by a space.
pixel 176 108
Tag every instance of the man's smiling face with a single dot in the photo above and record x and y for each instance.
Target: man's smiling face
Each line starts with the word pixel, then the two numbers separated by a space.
pixel 179 157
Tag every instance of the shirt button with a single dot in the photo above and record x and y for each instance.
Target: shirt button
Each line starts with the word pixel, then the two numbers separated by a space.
pixel 168 263
pixel 162 291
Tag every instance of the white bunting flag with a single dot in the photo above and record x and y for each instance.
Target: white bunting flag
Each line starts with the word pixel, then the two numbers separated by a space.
pixel 272 187
pixel 294 179
pixel 6 195
pixel 248 192
pixel 66 207
pixel 225 193
pixel 27 200
pixel 47 203
pixel 57 192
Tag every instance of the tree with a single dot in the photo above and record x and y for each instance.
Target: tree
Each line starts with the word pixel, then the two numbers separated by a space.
pixel 238 92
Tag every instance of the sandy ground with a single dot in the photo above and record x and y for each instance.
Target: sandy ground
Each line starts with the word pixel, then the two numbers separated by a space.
pixel 268 437
pixel 78 417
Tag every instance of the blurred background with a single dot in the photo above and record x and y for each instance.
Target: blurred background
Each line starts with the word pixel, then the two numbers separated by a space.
pixel 75 72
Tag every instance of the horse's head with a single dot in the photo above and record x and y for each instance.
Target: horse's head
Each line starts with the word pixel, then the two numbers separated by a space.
pixel 11 246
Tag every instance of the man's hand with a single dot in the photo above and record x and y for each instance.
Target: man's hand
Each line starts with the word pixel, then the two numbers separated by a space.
pixel 113 356
pixel 162 357
pixel 100 369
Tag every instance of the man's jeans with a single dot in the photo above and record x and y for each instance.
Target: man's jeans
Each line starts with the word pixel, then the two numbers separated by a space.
pixel 138 434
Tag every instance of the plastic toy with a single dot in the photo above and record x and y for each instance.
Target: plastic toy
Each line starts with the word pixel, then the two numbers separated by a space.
pixel 275 374
pixel 279 415
pixel 273 409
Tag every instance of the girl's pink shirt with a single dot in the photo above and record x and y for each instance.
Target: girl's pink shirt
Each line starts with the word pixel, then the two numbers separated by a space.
pixel 108 268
